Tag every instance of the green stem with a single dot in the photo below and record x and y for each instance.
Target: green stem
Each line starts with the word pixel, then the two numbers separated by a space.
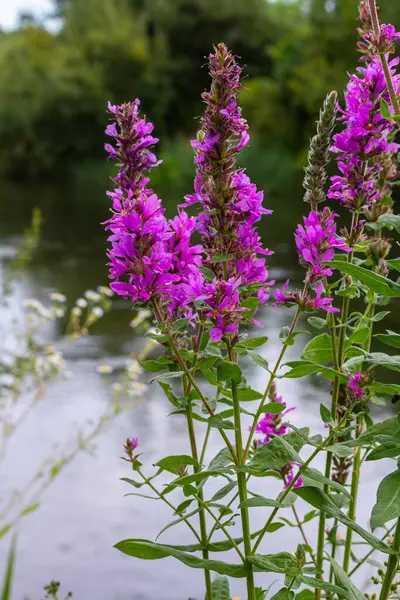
pixel 205 443
pixel 242 483
pixel 202 516
pixel 270 382
pixel 392 565
pixel 223 512
pixel 155 490
pixel 355 480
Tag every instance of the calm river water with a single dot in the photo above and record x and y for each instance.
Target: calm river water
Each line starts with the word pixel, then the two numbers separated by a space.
pixel 85 512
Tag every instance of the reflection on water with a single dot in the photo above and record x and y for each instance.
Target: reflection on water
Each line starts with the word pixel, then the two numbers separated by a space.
pixel 71 538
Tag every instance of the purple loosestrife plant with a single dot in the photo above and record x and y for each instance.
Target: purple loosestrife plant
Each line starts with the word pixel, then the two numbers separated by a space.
pixel 204 299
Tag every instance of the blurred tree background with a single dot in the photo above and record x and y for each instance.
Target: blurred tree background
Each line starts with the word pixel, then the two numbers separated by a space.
pixel 54 86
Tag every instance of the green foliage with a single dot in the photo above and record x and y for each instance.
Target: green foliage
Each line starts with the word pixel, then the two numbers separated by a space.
pixel 52 115
pixel 387 505
pixel 147 550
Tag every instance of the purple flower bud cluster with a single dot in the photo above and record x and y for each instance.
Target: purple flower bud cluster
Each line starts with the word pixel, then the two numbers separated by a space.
pixel 150 257
pixel 366 136
pixel 385 41
pixel 273 425
pixel 316 242
pixel 229 202
pixel 130 446
pixel 355 386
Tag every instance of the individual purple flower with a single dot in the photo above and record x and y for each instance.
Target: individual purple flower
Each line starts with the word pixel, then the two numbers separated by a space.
pixel 355 386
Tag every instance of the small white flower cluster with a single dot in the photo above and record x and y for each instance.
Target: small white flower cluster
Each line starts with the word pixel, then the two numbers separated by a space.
pixel 89 309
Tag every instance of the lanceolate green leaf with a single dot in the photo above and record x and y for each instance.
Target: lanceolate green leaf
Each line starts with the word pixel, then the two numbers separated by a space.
pixel 343 580
pixel 274 455
pixel 390 338
pixel 377 283
pixel 320 500
pixel 327 587
pixel 316 476
pixel 253 342
pixel 173 463
pixel 260 501
pixel 148 550
pixel 387 505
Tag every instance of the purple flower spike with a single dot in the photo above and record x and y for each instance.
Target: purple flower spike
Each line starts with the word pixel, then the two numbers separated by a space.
pixel 230 204
pixel 366 136
pixel 150 257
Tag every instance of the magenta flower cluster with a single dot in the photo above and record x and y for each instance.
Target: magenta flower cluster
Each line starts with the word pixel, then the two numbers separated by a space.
pixel 366 136
pixel 355 386
pixel 150 257
pixel 273 425
pixel 316 242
